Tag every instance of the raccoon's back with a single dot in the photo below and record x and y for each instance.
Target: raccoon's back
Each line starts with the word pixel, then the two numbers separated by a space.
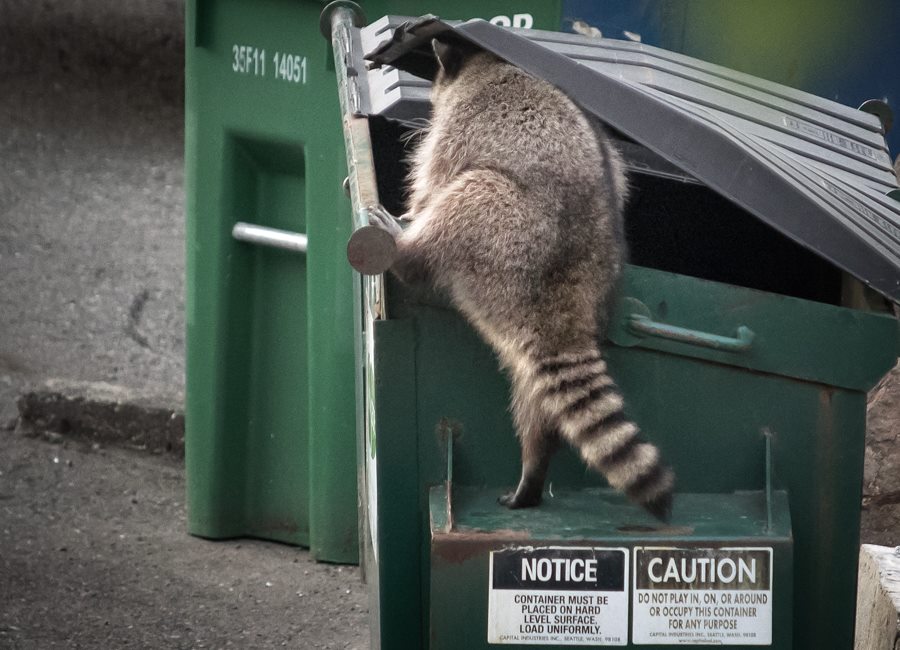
pixel 523 126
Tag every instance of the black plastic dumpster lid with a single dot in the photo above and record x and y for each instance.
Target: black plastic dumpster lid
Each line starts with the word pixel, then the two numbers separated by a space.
pixel 818 172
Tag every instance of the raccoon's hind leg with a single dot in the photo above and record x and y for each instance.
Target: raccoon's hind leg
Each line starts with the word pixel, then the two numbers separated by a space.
pixel 538 448
pixel 539 441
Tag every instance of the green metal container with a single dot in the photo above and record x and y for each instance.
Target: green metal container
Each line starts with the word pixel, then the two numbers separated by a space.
pixel 803 385
pixel 268 424
pixel 746 369
pixel 270 409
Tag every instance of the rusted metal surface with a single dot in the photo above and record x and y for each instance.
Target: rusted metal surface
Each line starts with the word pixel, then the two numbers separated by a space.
pixel 460 546
pixel 656 531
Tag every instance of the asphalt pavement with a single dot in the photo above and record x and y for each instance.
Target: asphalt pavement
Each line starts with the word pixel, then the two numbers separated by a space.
pixel 94 554
pixel 91 194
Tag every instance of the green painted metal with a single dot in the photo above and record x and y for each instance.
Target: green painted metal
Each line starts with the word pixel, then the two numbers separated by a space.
pixel 801 386
pixel 785 329
pixel 395 572
pixel 270 423
pixel 459 556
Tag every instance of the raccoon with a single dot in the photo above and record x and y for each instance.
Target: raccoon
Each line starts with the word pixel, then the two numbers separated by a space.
pixel 515 210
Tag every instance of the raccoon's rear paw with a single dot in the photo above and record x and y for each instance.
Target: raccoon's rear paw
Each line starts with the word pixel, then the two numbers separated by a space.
pixel 514 500
pixel 380 217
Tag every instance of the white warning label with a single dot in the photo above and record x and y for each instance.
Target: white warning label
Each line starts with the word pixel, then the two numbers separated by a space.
pixel 559 595
pixel 708 596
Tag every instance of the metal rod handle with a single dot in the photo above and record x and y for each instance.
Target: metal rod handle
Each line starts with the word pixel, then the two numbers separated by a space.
pixel 643 325
pixel 248 232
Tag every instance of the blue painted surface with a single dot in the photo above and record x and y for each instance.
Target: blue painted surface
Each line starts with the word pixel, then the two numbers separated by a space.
pixel 847 52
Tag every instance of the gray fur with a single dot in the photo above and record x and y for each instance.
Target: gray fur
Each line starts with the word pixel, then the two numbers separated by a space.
pixel 516 212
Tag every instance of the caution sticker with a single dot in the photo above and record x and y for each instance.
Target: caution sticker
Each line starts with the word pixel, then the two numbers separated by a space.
pixel 707 596
pixel 559 595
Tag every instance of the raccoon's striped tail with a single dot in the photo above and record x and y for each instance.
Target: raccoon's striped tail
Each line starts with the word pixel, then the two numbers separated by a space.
pixel 587 406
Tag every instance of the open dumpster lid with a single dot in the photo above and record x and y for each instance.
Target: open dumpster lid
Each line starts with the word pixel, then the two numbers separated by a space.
pixel 816 171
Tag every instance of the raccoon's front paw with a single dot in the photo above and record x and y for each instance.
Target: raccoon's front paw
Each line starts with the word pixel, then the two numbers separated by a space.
pixel 383 219
pixel 515 500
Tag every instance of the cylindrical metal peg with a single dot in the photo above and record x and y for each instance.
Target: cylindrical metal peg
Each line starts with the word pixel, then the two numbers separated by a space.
pixel 371 250
pixel 284 239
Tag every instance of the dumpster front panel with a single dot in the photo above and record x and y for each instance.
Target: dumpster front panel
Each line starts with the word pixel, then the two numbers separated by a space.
pixel 571 574
pixel 709 411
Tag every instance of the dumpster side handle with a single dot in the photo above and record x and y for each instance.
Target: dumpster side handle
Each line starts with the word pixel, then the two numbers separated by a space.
pixel 643 325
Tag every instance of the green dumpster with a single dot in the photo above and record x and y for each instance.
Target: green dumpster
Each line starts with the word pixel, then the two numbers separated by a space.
pixel 270 401
pixel 757 213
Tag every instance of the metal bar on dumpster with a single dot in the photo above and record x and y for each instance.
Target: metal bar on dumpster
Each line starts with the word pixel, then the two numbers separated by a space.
pixel 335 23
pixel 643 325
pixel 370 250
pixel 248 232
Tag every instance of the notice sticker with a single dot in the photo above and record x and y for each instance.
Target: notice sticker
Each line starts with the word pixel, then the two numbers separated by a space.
pixel 705 596
pixel 559 595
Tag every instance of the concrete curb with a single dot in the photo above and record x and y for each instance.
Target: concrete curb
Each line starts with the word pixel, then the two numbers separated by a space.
pixel 102 413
